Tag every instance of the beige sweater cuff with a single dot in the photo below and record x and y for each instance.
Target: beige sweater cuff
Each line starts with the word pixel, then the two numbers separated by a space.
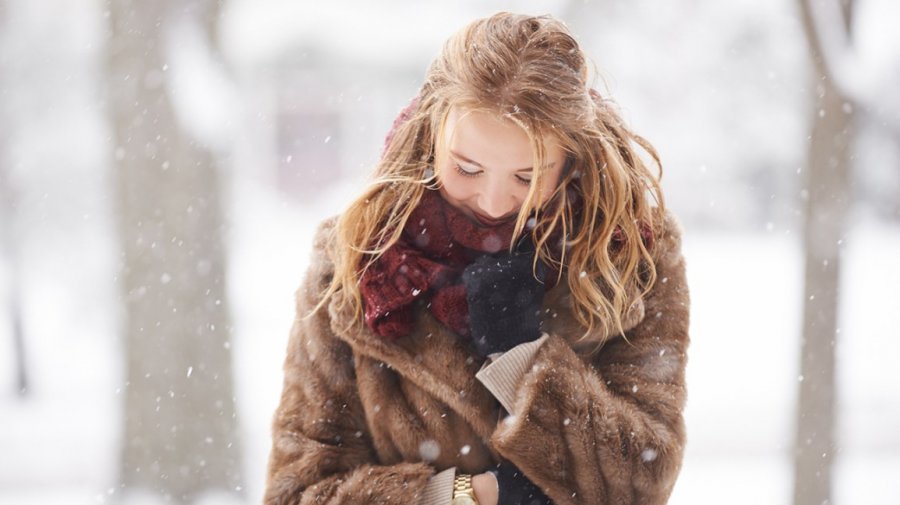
pixel 439 489
pixel 502 375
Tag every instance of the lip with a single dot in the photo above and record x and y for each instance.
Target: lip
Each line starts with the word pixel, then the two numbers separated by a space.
pixel 487 221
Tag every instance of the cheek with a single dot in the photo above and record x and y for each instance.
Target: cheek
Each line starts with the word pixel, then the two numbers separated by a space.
pixel 549 184
pixel 455 185
pixel 547 190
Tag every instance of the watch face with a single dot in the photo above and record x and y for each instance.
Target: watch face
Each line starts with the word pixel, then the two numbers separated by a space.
pixel 464 500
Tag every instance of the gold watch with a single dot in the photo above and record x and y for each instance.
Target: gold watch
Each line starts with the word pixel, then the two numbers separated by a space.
pixel 463 494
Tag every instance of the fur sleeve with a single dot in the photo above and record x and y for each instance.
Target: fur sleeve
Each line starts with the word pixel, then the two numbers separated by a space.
pixel 610 430
pixel 321 448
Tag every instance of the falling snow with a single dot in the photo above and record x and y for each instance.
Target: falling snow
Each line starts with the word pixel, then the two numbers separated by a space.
pixel 429 450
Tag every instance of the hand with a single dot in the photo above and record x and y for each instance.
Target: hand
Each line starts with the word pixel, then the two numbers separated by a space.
pixel 504 299
pixel 486 489
pixel 515 488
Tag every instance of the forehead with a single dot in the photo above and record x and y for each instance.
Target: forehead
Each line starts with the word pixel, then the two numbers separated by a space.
pixel 490 139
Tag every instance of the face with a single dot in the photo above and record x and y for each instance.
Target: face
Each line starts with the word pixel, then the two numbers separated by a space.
pixel 485 166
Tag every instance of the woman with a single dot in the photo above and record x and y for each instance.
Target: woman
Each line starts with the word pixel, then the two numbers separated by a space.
pixel 473 329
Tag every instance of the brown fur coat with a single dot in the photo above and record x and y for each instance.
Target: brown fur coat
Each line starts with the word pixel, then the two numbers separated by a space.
pixel 363 420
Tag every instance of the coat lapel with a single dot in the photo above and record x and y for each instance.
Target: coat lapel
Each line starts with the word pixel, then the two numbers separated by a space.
pixel 432 357
pixel 559 319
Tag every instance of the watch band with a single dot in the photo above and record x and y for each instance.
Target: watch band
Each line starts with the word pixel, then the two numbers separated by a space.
pixel 463 494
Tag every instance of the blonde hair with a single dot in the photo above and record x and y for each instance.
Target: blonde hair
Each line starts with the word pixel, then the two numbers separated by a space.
pixel 529 70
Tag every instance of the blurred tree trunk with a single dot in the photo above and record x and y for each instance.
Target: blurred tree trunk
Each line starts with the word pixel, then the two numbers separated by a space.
pixel 827 201
pixel 9 255
pixel 180 435
pixel 8 250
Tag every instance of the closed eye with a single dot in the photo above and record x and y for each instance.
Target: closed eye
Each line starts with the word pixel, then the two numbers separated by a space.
pixel 474 173
pixel 462 171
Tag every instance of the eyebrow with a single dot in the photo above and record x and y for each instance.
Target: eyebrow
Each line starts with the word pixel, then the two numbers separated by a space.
pixel 479 165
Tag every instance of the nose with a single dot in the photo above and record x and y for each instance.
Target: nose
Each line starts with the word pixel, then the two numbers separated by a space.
pixel 496 201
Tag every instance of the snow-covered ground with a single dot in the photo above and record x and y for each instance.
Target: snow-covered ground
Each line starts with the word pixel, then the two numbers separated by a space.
pixel 60 444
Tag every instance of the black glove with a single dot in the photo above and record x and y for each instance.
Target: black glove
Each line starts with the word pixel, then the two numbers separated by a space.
pixel 515 488
pixel 504 298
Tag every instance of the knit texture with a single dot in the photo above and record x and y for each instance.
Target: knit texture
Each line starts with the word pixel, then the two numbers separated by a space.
pixel 436 245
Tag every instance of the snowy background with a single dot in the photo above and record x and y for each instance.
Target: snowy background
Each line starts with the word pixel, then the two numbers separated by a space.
pixel 721 89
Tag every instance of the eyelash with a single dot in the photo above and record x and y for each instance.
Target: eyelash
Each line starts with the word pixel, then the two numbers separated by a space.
pixel 464 173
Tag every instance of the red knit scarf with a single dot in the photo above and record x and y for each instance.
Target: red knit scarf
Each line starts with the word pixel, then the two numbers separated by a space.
pixel 436 244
